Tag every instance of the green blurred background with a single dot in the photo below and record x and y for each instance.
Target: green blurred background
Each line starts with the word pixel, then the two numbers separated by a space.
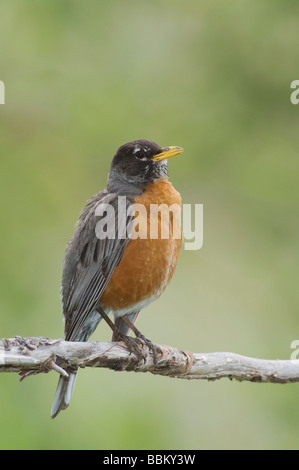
pixel 213 77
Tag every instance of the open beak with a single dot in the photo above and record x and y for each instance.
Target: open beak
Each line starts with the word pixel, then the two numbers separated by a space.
pixel 167 152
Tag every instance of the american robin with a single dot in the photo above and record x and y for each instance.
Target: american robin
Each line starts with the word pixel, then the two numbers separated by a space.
pixel 123 272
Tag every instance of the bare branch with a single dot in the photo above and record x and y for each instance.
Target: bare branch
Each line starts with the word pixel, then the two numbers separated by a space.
pixel 28 356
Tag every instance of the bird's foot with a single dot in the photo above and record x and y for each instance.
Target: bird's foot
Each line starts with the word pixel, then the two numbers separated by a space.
pixel 132 346
pixel 154 349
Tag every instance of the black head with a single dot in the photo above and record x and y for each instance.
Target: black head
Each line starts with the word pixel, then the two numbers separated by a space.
pixel 138 163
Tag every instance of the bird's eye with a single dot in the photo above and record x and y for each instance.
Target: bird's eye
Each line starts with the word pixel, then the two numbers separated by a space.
pixel 139 154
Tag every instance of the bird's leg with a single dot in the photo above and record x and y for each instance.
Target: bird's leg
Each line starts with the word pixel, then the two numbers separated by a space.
pixel 129 342
pixel 155 350
pixel 107 320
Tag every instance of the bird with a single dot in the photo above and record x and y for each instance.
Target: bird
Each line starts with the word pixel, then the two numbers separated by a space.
pixel 123 273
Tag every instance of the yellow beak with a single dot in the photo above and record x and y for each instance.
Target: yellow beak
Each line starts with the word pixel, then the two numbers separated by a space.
pixel 167 153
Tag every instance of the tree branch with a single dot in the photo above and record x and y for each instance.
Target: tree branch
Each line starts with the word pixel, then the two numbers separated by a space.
pixel 28 356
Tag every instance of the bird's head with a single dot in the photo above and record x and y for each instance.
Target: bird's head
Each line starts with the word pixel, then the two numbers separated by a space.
pixel 138 163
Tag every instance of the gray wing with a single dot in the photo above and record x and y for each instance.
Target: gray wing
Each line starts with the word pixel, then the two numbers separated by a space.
pixel 90 261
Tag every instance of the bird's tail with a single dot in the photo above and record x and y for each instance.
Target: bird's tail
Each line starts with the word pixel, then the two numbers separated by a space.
pixel 66 385
pixel 63 394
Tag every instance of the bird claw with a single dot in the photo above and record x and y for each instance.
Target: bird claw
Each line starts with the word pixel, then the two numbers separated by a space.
pixel 155 350
pixel 132 346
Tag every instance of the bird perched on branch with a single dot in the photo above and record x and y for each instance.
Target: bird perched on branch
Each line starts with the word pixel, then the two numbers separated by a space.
pixel 116 262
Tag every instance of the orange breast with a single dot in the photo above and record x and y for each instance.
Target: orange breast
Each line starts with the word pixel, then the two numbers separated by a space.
pixel 147 264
